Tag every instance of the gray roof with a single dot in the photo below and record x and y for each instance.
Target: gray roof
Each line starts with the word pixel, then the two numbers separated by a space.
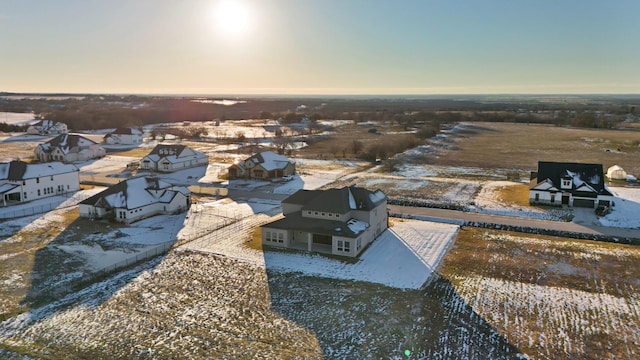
pixel 336 200
pixel 297 222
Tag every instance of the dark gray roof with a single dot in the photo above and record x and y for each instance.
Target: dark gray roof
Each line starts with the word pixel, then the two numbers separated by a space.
pixel 590 174
pixel 336 200
pixel 174 149
pixel 297 222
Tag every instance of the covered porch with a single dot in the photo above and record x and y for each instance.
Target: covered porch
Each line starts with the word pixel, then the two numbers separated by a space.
pixel 312 242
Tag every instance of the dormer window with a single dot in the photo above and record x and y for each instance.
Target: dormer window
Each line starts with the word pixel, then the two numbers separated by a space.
pixel 566 183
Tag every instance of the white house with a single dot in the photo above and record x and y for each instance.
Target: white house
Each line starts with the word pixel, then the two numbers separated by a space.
pixel 169 158
pixel 21 182
pixel 124 136
pixel 136 199
pixel 335 221
pixel 47 127
pixel 570 184
pixel 265 165
pixel 69 148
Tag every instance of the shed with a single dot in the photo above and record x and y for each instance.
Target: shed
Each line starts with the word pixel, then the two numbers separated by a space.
pixel 616 173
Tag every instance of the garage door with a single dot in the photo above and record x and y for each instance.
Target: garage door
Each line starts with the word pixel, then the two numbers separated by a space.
pixel 584 203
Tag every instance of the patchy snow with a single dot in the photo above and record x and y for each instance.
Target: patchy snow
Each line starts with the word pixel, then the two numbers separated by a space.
pixel 487 202
pixel 404 256
pixel 625 212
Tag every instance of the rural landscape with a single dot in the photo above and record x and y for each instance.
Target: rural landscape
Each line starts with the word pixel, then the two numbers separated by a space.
pixel 468 267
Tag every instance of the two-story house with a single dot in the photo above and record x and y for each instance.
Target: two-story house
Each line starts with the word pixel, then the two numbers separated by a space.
pixel 334 221
pixel 569 184
pixel 21 182
pixel 69 148
pixel 47 127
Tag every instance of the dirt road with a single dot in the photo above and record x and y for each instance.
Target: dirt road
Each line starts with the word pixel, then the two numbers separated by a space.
pixel 461 217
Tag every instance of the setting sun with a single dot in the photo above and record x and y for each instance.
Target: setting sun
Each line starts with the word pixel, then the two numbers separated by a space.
pixel 232 17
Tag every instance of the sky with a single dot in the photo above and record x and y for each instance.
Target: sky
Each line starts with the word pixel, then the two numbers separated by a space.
pixel 306 47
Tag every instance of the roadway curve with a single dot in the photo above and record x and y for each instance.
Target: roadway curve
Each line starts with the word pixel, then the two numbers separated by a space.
pixel 461 217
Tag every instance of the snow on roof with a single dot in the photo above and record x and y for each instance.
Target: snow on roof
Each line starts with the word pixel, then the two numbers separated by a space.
pixel 19 170
pixel 357 226
pixel 174 153
pixel 270 160
pixel 377 196
pixel 138 192
pixel 352 200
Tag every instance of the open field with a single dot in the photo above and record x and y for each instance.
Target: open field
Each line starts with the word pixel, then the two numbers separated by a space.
pixel 498 295
pixel 551 298
pixel 521 146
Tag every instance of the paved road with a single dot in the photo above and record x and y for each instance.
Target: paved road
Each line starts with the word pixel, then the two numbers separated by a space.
pixel 454 216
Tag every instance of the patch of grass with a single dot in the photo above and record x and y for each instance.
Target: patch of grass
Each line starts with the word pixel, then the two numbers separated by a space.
pixel 517 194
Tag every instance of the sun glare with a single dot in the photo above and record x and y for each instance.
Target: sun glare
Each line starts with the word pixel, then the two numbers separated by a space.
pixel 232 17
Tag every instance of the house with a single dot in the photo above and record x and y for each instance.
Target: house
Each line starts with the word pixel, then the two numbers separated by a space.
pixel 170 157
pixel 616 173
pixel 136 199
pixel 334 221
pixel 22 182
pixel 571 184
pixel 263 166
pixel 124 136
pixel 69 148
pixel 47 127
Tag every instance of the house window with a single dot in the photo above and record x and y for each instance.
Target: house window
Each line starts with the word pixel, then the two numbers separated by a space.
pixel 25 195
pixel 37 180
pixel 340 245
pixel 347 246
pixel 537 197
pixel 267 237
pixel 38 192
pixel 315 213
pixel 308 212
pixel 324 214
pixel 358 244
pixel 51 177
pixel 24 182
pixel 280 238
pixel 553 198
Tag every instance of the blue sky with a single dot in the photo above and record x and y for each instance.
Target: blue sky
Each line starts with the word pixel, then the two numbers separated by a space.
pixel 320 47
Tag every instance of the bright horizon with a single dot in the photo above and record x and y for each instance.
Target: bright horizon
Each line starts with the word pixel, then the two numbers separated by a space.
pixel 330 47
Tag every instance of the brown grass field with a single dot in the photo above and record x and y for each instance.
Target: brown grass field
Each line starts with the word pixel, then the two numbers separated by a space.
pixel 521 146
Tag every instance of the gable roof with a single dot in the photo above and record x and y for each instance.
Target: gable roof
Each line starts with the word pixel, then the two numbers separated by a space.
pixel 65 142
pixel 47 124
pixel 135 193
pixel 336 200
pixel 270 160
pixel 585 177
pixel 20 170
pixel 174 153
pixel 124 131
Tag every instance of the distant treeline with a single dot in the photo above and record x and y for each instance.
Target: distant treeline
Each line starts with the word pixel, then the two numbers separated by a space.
pixel 4 127
pixel 110 111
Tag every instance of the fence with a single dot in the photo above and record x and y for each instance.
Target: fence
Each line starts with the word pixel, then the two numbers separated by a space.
pixel 77 283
